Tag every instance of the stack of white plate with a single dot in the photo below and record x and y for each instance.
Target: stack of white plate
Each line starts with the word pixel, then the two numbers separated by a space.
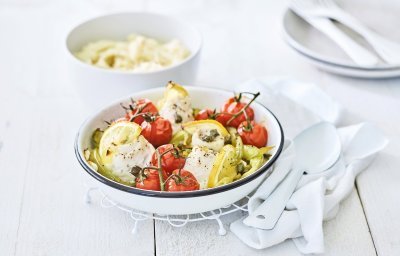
pixel 320 51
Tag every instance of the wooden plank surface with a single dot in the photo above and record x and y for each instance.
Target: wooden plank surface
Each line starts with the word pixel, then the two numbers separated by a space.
pixel 15 137
pixel 41 192
pixel 347 234
pixel 379 192
pixel 53 217
pixel 378 186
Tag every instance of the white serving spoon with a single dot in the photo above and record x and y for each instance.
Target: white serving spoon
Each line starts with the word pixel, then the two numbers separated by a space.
pixel 367 141
pixel 317 148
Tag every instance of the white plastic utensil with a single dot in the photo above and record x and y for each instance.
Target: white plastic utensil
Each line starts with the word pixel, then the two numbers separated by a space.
pixel 317 148
pixel 355 51
pixel 367 141
pixel 388 50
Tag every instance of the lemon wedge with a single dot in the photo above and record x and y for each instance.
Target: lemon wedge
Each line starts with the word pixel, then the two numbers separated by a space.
pixel 117 134
pixel 173 87
pixel 207 133
pixel 176 106
pixel 224 167
pixel 173 91
pixel 193 126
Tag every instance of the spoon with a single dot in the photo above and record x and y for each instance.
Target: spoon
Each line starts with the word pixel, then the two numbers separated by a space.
pixel 317 148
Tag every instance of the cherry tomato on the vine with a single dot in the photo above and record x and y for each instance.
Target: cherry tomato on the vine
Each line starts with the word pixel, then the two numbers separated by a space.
pixel 253 134
pixel 149 180
pixel 205 114
pixel 157 130
pixel 140 106
pixel 234 106
pixel 182 180
pixel 169 161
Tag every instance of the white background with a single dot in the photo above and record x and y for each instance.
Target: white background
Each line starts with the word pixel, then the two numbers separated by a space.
pixel 41 196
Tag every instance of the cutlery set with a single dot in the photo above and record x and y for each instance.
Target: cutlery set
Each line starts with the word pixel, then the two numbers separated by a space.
pixel 321 14
pixel 318 152
pixel 317 149
pixel 330 38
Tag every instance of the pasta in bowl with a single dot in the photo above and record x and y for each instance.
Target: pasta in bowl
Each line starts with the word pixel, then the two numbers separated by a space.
pixel 138 53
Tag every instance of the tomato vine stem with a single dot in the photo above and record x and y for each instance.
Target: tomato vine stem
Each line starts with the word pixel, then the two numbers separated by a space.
pixel 159 168
pixel 255 95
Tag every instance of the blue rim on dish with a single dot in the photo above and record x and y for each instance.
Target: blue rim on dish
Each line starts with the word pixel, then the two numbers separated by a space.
pixel 196 193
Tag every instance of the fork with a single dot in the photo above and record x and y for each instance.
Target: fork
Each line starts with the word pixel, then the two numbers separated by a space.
pixel 355 51
pixel 388 50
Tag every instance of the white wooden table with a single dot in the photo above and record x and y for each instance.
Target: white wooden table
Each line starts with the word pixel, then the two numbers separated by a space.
pixel 41 206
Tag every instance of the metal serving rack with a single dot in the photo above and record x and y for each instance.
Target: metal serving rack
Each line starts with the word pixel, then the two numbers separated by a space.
pixel 174 220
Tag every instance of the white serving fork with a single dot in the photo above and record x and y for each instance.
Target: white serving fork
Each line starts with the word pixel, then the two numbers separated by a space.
pixel 388 50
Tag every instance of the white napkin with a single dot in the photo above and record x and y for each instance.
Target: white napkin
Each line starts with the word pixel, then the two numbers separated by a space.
pixel 317 196
pixel 307 95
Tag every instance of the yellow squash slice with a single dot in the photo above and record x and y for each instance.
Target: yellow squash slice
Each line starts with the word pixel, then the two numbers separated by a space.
pixel 224 167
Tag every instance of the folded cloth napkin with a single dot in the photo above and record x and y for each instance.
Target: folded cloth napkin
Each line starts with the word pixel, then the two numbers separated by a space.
pixel 317 196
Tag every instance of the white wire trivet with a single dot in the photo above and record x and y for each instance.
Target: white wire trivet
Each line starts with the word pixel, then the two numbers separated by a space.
pixel 174 220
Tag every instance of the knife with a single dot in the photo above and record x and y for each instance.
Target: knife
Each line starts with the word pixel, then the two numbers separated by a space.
pixel 355 51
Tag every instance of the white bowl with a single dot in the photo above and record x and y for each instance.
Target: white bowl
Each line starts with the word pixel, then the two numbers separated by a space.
pixel 98 86
pixel 177 202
